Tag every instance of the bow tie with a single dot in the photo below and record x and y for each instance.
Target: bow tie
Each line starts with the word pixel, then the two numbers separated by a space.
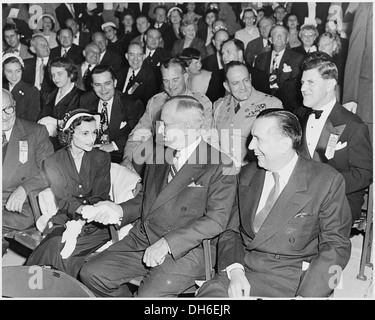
pixel 317 113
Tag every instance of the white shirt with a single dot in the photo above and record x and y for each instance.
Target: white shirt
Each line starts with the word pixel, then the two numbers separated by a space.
pixel 8 133
pixel 76 38
pixel 130 72
pixel 148 51
pixel 102 55
pixel 37 69
pixel 218 57
pixel 278 59
pixel 186 153
pixel 269 182
pixel 63 50
pixel 84 67
pixel 314 126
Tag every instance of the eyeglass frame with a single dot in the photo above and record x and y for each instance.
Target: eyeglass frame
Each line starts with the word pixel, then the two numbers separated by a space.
pixel 7 108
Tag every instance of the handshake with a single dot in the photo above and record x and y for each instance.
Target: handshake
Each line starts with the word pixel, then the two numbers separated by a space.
pixel 104 212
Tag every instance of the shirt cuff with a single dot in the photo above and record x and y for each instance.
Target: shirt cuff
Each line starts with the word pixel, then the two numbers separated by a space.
pixel 233 266
pixel 114 146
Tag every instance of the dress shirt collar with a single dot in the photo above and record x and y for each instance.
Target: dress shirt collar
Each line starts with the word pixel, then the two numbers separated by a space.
pixel 286 171
pixel 186 152
pixel 8 133
pixel 327 108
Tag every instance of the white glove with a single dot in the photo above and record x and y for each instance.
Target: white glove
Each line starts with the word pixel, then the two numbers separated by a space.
pixel 73 229
pixel 102 214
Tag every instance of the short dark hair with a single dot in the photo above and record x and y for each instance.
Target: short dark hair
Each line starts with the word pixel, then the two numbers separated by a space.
pixel 10 26
pixel 213 10
pixel 323 63
pixel 288 124
pixel 232 64
pixel 67 64
pixel 60 30
pixel 237 43
pixel 188 54
pixel 65 136
pixel 171 62
pixel 101 68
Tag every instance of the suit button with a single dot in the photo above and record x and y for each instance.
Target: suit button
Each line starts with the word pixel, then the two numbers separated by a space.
pixel 277 256
pixel 80 196
pixel 291 240
pixel 84 201
pixel 183 208
pixel 169 229
pixel 80 186
pixel 23 178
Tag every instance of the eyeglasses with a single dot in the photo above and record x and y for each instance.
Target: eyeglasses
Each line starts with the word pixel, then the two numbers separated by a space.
pixel 9 110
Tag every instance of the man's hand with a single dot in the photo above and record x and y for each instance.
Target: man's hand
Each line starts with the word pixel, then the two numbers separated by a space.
pixel 127 163
pixel 239 286
pixel 16 200
pixel 155 254
pixel 104 212
pixel 105 147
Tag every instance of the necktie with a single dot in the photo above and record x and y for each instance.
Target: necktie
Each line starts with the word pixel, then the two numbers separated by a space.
pixel 64 54
pixel 272 197
pixel 274 62
pixel 173 169
pixel 238 106
pixel 14 50
pixel 86 74
pixel 132 77
pixel 5 145
pixel 317 113
pixel 41 72
pixel 268 46
pixel 104 132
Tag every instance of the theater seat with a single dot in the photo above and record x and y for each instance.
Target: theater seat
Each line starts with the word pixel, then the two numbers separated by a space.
pixel 36 281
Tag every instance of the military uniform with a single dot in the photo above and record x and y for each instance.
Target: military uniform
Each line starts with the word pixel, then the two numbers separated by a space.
pixel 233 129
pixel 146 126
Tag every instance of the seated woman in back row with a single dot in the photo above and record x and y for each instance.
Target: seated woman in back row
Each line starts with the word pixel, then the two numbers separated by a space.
pixel 79 176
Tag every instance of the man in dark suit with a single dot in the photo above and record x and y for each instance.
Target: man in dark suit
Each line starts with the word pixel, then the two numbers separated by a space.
pixel 107 57
pixel 337 137
pixel 137 80
pixel 283 69
pixel 70 10
pixel 289 233
pixel 36 71
pixel 160 22
pixel 25 146
pixel 80 38
pixel 317 11
pixel 181 209
pixel 213 62
pixel 92 55
pixel 66 47
pixel 154 54
pixel 260 44
pixel 12 39
pixel 122 112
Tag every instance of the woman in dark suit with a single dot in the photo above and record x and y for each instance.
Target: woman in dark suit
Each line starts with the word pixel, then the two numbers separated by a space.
pixel 26 96
pixel 64 98
pixel 79 175
pixel 190 40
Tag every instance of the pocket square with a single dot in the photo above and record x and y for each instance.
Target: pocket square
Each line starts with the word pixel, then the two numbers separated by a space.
pixel 123 124
pixel 286 68
pixel 302 215
pixel 193 185
pixel 340 145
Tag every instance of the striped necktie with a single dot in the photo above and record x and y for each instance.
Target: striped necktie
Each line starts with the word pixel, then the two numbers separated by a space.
pixel 174 168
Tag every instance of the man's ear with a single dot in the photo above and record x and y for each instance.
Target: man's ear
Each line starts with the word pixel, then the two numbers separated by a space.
pixel 225 84
pixel 32 49
pixel 84 53
pixel 331 85
pixel 115 83
pixel 127 56
pixel 186 76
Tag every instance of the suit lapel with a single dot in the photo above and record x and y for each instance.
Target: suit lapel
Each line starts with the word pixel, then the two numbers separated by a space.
pixel 291 200
pixel 186 175
pixel 11 160
pixel 334 126
pixel 249 196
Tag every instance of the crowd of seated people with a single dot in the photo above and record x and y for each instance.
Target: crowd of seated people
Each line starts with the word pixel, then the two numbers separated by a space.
pixel 228 116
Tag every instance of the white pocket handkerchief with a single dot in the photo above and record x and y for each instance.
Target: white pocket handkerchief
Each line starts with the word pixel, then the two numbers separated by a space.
pixel 286 68
pixel 123 124
pixel 193 185
pixel 340 145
